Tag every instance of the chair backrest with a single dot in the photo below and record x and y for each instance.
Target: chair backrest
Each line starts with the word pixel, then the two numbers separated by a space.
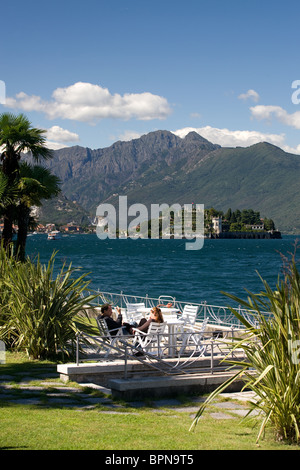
pixel 102 327
pixel 135 307
pixel 156 328
pixel 189 313
pixel 134 312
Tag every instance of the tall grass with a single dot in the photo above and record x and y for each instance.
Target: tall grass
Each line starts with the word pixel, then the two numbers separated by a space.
pixel 39 310
pixel 272 349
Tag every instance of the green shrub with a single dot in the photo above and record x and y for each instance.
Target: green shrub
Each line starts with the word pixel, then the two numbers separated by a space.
pixel 7 265
pixel 40 311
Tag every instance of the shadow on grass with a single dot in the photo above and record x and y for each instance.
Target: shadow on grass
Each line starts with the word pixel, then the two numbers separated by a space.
pixel 17 366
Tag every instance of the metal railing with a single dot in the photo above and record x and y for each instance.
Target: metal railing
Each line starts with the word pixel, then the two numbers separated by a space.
pixel 215 352
pixel 218 315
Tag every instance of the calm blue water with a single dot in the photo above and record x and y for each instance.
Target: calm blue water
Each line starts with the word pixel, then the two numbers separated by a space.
pixel 157 267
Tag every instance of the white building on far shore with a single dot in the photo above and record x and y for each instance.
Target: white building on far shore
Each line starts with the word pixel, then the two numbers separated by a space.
pixel 217 224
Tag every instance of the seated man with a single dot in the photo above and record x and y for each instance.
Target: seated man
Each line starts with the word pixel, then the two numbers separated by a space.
pixel 112 325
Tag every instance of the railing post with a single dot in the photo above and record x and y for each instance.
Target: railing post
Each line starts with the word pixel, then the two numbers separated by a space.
pixel 77 348
pixel 212 357
pixel 158 344
pixel 125 363
pixel 232 336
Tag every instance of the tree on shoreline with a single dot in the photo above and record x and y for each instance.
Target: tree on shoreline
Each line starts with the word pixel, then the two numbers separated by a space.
pixel 238 221
pixel 36 183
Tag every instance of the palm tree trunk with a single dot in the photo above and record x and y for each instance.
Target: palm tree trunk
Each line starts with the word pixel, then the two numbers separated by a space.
pixel 10 168
pixel 7 233
pixel 23 222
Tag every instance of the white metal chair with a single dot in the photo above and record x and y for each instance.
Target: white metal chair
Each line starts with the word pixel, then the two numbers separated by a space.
pixel 137 306
pixel 110 337
pixel 189 314
pixel 150 342
pixel 135 312
pixel 192 337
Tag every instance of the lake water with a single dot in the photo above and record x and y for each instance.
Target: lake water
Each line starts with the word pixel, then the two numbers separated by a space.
pixel 157 267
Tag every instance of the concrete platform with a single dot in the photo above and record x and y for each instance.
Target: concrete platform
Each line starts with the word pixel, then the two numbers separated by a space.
pixel 143 381
pixel 168 386
pixel 101 372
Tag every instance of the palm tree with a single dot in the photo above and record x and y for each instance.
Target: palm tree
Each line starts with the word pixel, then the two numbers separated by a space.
pixel 17 136
pixel 8 194
pixel 36 183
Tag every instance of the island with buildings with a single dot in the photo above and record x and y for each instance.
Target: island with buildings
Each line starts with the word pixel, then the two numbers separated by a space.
pixel 238 224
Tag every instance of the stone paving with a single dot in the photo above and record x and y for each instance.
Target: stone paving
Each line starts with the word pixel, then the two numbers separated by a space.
pixel 46 390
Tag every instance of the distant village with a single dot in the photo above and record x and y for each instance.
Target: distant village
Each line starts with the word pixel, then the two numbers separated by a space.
pixel 71 227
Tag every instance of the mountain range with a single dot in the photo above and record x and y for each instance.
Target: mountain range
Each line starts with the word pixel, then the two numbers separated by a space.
pixel 161 167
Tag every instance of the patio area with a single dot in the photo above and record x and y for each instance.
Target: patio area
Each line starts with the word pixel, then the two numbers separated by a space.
pixel 178 360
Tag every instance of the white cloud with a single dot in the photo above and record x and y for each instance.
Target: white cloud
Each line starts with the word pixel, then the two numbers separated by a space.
pixel 228 138
pixel 252 94
pixel 294 150
pixel 267 112
pixel 129 135
pixel 87 102
pixel 25 102
pixel 55 145
pixel 57 137
pixel 61 135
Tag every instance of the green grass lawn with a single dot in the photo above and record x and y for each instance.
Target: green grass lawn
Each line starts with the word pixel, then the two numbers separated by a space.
pixel 63 429
pixel 33 427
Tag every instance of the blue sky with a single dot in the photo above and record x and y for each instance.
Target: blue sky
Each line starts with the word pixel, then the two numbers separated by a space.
pixel 94 72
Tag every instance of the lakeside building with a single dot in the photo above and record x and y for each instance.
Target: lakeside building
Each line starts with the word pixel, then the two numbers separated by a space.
pixel 256 226
pixel 217 225
pixel 71 228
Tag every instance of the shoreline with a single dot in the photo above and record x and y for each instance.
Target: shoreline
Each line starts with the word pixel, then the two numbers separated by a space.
pixel 275 235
